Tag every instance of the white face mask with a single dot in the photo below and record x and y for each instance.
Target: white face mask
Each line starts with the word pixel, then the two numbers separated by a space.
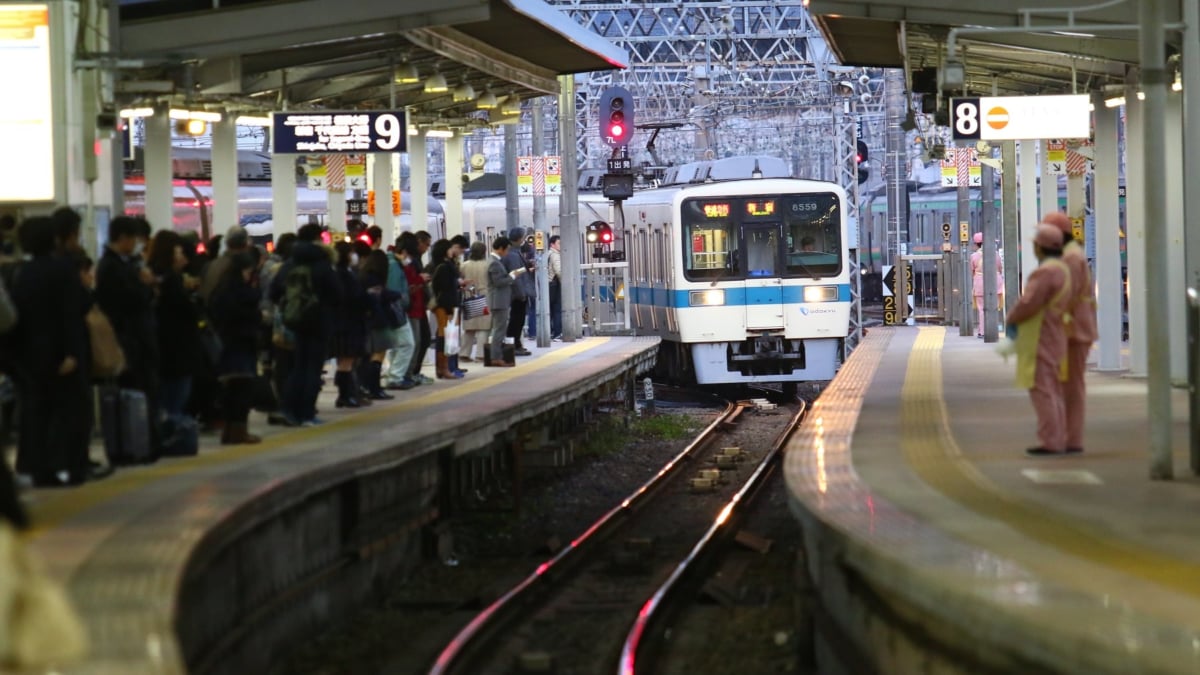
pixel 139 247
pixel 353 259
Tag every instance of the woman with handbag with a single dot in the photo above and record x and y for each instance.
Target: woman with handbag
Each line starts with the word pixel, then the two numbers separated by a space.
pixel 234 308
pixel 446 291
pixel 385 314
pixel 178 324
pixel 475 329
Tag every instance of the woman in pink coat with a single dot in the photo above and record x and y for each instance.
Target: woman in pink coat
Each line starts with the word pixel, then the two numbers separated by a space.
pixel 1041 317
pixel 977 281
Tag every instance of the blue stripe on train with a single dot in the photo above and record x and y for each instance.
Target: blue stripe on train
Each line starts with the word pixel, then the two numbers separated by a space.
pixel 734 297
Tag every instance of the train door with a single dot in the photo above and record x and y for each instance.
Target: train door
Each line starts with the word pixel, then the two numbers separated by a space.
pixel 764 289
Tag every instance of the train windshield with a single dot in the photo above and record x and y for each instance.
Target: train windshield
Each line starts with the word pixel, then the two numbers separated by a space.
pixel 767 236
pixel 813 228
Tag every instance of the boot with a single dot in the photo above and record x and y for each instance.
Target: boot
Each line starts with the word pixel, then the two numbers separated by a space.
pixel 443 367
pixel 235 433
pixel 454 366
pixel 358 385
pixel 345 387
pixel 375 373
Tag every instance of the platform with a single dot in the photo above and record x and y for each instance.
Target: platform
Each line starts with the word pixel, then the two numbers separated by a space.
pixel 936 545
pixel 174 565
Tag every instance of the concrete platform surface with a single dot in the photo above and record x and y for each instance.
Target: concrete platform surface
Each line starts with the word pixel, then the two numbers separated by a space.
pixel 912 486
pixel 121 544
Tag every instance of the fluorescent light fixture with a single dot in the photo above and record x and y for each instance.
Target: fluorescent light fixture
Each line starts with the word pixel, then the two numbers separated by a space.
pixel 439 133
pixel 1141 96
pixel 487 101
pixel 709 298
pixel 252 121
pixel 1177 85
pixel 129 113
pixel 511 106
pixel 413 131
pixel 1114 102
pixel 195 127
pixel 464 92
pixel 406 73
pixel 202 115
pixel 436 84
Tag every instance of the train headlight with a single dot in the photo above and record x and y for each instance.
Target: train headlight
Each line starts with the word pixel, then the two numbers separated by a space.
pixel 709 298
pixel 820 293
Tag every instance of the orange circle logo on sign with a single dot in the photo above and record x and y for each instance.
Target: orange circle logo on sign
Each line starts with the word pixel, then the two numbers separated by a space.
pixel 997 118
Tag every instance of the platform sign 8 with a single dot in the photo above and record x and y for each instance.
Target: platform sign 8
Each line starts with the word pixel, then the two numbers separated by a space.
pixel 965 122
pixel 324 132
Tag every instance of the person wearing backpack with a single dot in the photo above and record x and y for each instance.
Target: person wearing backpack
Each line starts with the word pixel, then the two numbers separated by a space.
pixel 304 287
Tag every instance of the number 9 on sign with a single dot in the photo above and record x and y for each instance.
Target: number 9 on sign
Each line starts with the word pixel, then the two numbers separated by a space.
pixel 389 131
pixel 964 118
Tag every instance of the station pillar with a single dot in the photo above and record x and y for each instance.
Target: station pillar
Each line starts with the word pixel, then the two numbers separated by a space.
pixel 1176 298
pixel 224 176
pixel 160 193
pixel 1135 233
pixel 454 184
pixel 283 195
pixel 335 207
pixel 1107 237
pixel 1029 212
pixel 381 183
pixel 418 182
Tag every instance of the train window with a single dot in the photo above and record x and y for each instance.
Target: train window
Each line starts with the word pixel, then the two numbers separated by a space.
pixel 762 250
pixel 709 240
pixel 813 227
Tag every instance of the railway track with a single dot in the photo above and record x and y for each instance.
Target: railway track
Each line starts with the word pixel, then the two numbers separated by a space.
pixel 572 614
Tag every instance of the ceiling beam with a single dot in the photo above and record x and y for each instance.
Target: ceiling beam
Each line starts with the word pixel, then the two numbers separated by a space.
pixel 461 48
pixel 241 30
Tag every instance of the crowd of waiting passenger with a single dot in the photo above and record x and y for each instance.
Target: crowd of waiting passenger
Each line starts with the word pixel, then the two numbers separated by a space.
pixel 168 337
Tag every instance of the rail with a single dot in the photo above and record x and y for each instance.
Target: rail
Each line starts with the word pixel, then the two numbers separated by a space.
pixel 459 649
pixel 654 608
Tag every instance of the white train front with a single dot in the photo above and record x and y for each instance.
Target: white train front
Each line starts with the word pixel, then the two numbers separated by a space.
pixel 745 281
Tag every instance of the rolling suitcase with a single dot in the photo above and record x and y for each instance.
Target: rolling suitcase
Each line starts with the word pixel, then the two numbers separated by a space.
pixel 125 424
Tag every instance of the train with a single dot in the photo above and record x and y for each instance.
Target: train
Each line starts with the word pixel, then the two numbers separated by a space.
pixel 745 280
pixel 193 198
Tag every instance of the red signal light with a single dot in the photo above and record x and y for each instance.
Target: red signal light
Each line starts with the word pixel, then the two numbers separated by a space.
pixel 606 237
pixel 201 249
pixel 326 237
pixel 616 131
pixel 365 238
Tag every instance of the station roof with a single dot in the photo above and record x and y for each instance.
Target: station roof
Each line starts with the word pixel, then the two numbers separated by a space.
pixel 912 34
pixel 255 54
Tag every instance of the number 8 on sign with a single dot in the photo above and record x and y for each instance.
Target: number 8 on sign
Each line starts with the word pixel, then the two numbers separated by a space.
pixel 964 118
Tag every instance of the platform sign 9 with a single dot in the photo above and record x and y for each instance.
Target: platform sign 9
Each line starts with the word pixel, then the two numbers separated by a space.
pixel 325 132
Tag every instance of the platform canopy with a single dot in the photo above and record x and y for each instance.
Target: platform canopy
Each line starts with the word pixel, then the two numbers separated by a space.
pixel 912 34
pixel 258 54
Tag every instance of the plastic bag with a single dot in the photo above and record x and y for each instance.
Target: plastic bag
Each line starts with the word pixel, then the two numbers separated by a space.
pixel 452 341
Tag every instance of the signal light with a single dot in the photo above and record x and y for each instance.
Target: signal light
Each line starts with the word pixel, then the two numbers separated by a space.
pixel 860 158
pixel 616 116
pixel 270 247
pixel 326 238
pixel 201 249
pixel 365 238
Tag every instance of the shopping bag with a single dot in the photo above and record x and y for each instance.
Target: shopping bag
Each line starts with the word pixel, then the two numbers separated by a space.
pixel 474 307
pixel 452 341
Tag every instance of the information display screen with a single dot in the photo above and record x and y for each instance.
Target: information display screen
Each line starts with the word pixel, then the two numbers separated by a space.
pixel 326 132
pixel 760 208
pixel 717 210
pixel 26 118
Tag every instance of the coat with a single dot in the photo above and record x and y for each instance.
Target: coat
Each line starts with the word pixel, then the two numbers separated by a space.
pixel 325 282
pixel 476 274
pixel 1039 317
pixel 445 286
pixel 178 320
pixel 350 316
pixel 515 261
pixel 500 284
pixel 128 303
pixel 236 315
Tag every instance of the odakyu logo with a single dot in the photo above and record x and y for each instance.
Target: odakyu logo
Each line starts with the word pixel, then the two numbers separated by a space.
pixel 805 311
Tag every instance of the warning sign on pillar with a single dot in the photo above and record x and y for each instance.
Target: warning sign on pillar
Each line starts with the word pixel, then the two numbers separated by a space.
pixel 1056 156
pixel 356 172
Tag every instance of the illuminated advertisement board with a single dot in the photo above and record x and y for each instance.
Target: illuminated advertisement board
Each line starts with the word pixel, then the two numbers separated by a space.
pixel 27 116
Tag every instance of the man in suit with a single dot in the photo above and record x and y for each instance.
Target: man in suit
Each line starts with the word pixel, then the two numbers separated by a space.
pixel 500 285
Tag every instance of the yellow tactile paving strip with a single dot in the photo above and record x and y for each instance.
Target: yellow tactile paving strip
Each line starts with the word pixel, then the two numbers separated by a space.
pixel 52 512
pixel 934 454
